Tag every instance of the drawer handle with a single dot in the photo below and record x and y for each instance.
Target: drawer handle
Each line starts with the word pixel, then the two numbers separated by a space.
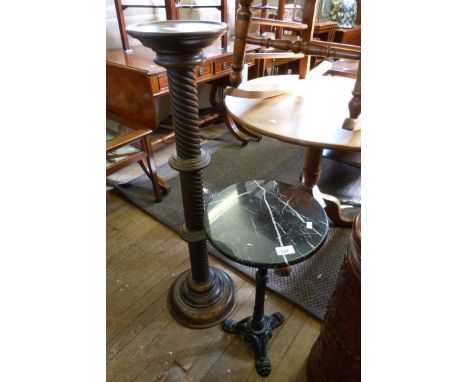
pixel 224 65
pixel 201 71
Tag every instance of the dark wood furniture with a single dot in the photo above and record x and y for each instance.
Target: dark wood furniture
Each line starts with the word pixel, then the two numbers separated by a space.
pixel 130 110
pixel 285 29
pixel 202 296
pixel 172 13
pixel 267 225
pixel 344 68
pixel 322 30
pixel 310 48
pixel 348 36
pixel 336 354
pixel 133 81
pixel 121 153
pixel 325 30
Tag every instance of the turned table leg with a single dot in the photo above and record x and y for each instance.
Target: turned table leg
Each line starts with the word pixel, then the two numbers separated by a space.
pixel 310 178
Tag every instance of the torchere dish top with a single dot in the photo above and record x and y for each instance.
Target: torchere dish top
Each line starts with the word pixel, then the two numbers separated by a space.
pixel 177 43
pixel 179 28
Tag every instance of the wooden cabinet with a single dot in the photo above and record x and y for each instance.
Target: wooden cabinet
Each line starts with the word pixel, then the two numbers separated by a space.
pixel 133 80
pixel 350 36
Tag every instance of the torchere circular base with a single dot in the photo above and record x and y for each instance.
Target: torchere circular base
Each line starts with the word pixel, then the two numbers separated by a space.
pixel 202 305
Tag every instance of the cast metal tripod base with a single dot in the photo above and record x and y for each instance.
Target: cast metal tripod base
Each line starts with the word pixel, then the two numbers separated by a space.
pixel 258 334
pixel 257 329
pixel 198 305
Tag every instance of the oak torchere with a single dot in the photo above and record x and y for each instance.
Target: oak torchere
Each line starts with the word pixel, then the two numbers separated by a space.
pixel 202 296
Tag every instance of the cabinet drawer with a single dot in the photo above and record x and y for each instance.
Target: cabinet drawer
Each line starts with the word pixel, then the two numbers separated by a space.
pixel 203 70
pixel 221 66
pixel 200 71
pixel 154 83
pixel 163 82
pixel 226 65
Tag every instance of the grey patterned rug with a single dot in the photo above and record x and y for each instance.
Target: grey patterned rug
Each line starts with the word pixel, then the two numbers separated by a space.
pixel 311 282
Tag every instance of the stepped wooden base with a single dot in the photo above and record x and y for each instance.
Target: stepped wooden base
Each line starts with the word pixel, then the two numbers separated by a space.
pixel 202 305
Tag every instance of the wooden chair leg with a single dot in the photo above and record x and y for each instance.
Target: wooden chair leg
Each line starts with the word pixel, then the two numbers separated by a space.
pixel 144 166
pixel 151 167
pixel 164 187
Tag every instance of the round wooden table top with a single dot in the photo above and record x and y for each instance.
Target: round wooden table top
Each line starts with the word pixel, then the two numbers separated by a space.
pixel 311 113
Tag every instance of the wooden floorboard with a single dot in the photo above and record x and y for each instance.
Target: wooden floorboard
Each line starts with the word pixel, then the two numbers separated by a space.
pixel 144 342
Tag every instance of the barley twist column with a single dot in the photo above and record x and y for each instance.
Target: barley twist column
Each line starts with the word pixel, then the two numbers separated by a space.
pixel 189 160
pixel 202 296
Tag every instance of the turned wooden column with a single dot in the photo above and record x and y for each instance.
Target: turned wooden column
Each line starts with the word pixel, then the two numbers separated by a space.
pixel 336 355
pixel 202 296
pixel 354 105
pixel 243 19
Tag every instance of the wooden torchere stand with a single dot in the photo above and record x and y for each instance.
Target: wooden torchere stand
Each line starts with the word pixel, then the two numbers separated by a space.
pixel 336 355
pixel 203 296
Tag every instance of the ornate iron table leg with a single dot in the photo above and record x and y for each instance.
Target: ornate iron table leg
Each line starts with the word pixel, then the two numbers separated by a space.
pixel 257 329
pixel 203 296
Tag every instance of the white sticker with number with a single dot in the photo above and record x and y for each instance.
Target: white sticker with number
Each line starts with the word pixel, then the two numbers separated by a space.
pixel 286 250
pixel 309 225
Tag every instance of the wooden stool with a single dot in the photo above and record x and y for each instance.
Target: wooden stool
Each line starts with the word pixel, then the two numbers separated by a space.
pixel 336 355
pixel 264 224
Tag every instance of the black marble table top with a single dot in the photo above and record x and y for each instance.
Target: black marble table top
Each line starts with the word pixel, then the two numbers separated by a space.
pixel 264 223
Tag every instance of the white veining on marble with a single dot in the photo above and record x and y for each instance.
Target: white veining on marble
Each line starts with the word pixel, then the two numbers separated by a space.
pixel 286 204
pixel 240 219
pixel 302 218
pixel 280 240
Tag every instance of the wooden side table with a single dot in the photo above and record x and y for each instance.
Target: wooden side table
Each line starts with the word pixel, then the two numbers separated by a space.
pixel 302 117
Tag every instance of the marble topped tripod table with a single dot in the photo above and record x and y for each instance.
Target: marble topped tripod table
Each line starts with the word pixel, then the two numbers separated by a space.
pixel 310 113
pixel 264 224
